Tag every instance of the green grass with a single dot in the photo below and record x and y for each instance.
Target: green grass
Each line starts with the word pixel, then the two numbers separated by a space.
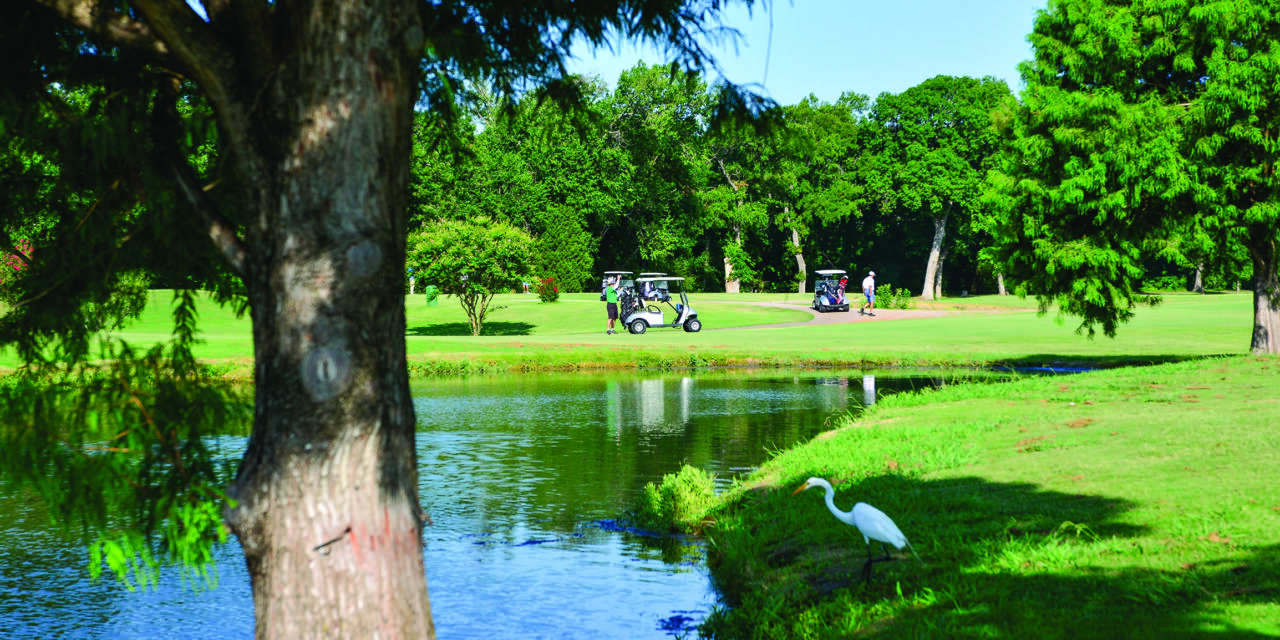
pixel 569 335
pixel 1125 503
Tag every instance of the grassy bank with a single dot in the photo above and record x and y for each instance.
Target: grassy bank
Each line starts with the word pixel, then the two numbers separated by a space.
pixel 1127 503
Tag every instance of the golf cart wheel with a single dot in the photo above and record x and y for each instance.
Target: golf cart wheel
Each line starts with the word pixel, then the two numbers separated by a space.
pixel 693 325
pixel 637 327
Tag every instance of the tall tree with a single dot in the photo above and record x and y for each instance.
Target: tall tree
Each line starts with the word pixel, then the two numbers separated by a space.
pixel 930 149
pixel 311 105
pixel 816 182
pixel 659 120
pixel 1139 115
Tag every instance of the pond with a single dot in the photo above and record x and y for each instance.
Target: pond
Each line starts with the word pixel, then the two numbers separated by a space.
pixel 524 478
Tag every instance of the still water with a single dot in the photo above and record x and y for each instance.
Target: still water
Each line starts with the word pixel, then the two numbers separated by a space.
pixel 524 478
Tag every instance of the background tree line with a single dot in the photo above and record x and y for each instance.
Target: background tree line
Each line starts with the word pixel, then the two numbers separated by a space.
pixel 638 179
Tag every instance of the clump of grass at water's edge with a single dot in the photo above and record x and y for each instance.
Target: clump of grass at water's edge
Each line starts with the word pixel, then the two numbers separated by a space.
pixel 678 504
pixel 1126 503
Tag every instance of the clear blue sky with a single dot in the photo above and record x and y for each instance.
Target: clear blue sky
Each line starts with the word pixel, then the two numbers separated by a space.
pixel 827 47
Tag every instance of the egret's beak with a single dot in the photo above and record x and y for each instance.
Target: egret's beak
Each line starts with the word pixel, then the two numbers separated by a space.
pixel 802 488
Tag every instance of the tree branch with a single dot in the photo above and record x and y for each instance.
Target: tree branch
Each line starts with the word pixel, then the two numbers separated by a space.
pixel 221 231
pixel 197 46
pixel 110 26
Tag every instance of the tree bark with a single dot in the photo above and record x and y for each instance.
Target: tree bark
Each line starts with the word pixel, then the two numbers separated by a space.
pixel 1261 243
pixel 1198 286
pixel 327 507
pixel 314 118
pixel 731 282
pixel 931 269
pixel 1000 284
pixel 800 266
pixel 937 274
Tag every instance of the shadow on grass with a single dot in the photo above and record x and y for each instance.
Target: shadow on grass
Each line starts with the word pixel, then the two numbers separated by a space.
pixel 1007 560
pixel 464 329
pixel 1075 361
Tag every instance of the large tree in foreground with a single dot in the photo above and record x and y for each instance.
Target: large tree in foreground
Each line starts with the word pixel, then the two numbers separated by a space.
pixel 309 105
pixel 1140 118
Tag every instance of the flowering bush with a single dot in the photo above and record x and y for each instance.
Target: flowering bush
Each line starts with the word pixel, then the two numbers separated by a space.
pixel 547 289
pixel 12 268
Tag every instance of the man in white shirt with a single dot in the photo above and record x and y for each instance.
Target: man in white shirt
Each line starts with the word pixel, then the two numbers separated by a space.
pixel 869 291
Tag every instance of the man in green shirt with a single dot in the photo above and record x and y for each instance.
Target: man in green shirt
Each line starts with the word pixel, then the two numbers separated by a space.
pixel 611 303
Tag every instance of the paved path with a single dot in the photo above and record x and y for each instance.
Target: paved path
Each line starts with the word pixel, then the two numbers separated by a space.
pixel 840 317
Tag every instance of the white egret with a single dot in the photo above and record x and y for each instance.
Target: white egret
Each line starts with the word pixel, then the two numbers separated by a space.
pixel 871 522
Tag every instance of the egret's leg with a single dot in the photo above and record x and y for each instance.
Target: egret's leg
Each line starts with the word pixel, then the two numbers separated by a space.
pixel 866 566
pixel 886 551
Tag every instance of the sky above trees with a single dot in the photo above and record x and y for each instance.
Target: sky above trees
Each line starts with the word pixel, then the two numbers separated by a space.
pixel 827 47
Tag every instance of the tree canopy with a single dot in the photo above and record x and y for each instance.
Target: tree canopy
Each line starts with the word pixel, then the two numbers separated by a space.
pixel 1142 122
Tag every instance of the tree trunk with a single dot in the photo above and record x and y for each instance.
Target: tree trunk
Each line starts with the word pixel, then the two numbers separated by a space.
pixel 801 272
pixel 937 274
pixel 1266 289
pixel 1198 286
pixel 1000 284
pixel 931 269
pixel 327 494
pixel 731 282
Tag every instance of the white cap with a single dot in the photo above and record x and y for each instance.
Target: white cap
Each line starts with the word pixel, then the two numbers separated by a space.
pixel 873 273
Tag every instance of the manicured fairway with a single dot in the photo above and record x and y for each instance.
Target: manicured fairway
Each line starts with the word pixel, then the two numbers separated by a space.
pixel 525 334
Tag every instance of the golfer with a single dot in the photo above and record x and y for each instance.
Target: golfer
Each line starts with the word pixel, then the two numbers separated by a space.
pixel 869 292
pixel 611 304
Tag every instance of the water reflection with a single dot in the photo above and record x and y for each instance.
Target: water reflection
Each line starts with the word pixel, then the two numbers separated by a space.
pixel 523 477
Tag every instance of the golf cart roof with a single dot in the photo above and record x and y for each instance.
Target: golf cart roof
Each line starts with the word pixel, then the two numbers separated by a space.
pixel 652 273
pixel 830 272
pixel 617 273
pixel 662 279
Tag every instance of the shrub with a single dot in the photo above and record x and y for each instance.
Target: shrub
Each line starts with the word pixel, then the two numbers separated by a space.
pixel 547 289
pixel 678 505
pixel 12 269
pixel 888 298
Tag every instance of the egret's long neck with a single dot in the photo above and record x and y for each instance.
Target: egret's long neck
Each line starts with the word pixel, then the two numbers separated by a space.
pixel 843 516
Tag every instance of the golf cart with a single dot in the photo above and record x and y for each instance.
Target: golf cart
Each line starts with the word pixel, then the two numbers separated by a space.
pixel 651 289
pixel 641 319
pixel 624 282
pixel 828 290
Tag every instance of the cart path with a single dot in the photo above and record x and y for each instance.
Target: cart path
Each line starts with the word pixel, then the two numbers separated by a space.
pixel 845 317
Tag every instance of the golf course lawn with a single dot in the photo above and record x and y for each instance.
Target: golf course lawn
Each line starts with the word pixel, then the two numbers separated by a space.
pixel 523 334
pixel 1137 500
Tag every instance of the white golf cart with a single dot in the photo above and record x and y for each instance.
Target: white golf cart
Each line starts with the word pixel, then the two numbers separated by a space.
pixel 648 290
pixel 642 318
pixel 828 290
pixel 624 282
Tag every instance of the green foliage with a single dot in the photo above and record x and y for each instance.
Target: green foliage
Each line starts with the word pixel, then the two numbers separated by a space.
pixel 124 453
pixel 1146 130
pixel 888 298
pixel 473 261
pixel 679 504
pixel 126 301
